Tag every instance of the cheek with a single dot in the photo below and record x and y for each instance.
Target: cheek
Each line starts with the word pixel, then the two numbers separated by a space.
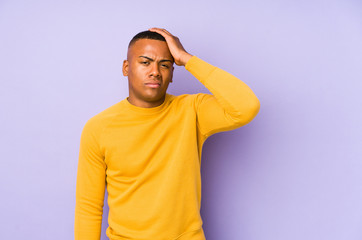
pixel 167 75
pixel 136 75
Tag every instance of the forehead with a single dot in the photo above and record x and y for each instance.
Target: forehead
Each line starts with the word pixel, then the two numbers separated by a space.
pixel 149 47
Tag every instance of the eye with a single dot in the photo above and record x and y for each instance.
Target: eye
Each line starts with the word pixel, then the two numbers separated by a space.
pixel 165 66
pixel 145 63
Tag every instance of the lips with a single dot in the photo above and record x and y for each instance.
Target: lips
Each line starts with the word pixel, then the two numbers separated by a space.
pixel 153 84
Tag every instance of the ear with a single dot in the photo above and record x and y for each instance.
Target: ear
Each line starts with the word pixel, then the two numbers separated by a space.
pixel 125 68
pixel 172 73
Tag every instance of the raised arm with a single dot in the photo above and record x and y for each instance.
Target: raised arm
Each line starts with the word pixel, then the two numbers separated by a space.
pixel 90 187
pixel 232 103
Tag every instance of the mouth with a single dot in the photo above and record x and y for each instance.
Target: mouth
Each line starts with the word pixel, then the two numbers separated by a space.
pixel 153 85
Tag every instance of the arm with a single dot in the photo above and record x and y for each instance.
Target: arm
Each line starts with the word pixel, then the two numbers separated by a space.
pixel 90 185
pixel 232 105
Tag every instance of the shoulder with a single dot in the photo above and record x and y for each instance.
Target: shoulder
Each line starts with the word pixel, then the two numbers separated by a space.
pixel 100 120
pixel 190 100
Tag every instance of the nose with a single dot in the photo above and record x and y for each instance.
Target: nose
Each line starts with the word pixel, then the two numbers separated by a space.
pixel 155 72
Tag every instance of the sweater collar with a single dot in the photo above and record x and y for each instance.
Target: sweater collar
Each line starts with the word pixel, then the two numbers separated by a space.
pixel 147 111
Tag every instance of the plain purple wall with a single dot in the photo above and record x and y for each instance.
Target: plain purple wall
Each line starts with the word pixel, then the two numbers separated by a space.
pixel 295 172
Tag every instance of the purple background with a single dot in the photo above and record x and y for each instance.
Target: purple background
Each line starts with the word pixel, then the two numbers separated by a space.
pixel 295 172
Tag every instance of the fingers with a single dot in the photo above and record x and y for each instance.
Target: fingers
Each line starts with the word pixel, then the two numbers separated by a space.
pixel 161 31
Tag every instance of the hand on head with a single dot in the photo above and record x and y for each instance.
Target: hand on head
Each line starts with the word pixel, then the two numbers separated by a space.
pixel 177 50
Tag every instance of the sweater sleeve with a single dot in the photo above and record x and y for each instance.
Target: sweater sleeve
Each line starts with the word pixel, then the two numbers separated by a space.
pixel 232 103
pixel 90 186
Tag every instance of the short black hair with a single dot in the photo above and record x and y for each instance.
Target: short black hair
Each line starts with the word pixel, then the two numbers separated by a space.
pixel 146 35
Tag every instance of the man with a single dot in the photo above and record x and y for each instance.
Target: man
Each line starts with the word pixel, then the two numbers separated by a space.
pixel 146 149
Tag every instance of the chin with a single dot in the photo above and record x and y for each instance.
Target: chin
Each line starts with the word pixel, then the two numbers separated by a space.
pixel 153 98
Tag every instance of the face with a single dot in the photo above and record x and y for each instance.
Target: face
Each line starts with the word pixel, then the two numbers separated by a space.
pixel 149 68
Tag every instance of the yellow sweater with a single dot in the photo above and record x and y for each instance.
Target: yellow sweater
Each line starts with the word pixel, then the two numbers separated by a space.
pixel 149 159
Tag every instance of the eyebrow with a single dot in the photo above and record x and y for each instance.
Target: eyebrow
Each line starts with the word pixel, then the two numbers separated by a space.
pixel 163 60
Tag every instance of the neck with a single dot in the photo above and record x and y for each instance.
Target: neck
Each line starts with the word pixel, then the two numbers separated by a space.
pixel 145 104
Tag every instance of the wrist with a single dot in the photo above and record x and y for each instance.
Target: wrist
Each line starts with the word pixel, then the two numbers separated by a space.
pixel 185 58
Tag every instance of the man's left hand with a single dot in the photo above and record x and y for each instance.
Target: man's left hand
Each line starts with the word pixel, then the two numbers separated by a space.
pixel 177 50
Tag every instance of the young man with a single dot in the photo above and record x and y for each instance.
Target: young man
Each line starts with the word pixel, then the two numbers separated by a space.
pixel 146 149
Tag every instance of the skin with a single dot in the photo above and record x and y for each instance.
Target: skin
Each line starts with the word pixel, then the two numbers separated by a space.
pixel 150 60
